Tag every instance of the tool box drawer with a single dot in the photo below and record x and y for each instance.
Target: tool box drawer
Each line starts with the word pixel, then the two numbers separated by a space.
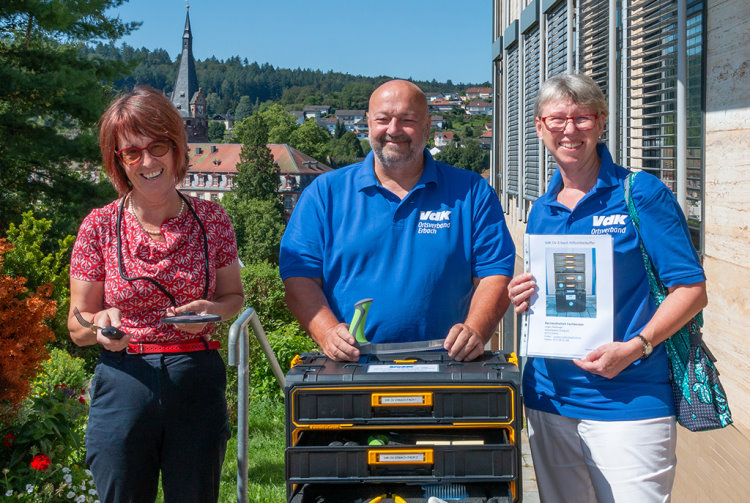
pixel 414 404
pixel 406 455
pixel 411 493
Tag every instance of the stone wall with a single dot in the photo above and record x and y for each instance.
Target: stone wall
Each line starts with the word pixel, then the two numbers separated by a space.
pixel 715 466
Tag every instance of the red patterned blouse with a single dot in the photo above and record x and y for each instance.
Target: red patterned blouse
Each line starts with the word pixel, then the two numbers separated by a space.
pixel 177 264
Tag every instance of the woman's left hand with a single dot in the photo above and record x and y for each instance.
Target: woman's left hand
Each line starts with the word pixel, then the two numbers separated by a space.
pixel 196 306
pixel 611 359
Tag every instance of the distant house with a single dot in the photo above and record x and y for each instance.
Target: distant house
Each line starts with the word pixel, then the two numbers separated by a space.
pixel 443 138
pixel 360 126
pixel 213 167
pixel 437 122
pixel 443 105
pixel 350 117
pixel 329 123
pixel 316 111
pixel 479 107
pixel 485 140
pixel 483 93
pixel 299 115
pixel 227 119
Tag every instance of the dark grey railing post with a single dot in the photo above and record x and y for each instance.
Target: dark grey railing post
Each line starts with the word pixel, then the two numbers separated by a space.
pixel 239 357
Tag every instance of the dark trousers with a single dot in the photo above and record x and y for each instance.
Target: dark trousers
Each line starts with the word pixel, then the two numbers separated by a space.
pixel 158 413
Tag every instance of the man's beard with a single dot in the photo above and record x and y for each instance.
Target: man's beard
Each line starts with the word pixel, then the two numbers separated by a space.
pixel 388 157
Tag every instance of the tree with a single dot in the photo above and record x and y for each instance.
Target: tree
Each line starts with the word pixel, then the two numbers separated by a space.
pixel 244 109
pixel 281 124
pixel 254 205
pixel 346 148
pixel 258 226
pixel 467 156
pixel 216 131
pixel 311 139
pixel 51 97
pixel 339 130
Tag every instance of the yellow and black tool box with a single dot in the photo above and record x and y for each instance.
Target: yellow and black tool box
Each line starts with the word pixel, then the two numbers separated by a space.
pixel 407 427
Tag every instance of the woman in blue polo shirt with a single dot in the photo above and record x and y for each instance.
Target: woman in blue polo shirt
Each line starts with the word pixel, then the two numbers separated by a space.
pixel 602 428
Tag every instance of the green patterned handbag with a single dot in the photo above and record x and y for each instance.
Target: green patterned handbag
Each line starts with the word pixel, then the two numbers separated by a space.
pixel 699 397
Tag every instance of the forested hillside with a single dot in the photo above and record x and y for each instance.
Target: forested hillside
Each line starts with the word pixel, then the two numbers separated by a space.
pixel 225 82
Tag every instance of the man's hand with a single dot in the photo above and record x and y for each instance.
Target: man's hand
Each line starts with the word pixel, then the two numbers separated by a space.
pixel 463 343
pixel 338 344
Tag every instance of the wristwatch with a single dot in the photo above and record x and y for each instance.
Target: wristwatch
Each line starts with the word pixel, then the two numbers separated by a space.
pixel 647 347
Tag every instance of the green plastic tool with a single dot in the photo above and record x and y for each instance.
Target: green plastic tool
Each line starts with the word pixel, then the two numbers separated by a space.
pixel 357 326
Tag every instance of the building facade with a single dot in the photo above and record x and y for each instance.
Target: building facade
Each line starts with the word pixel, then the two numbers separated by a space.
pixel 213 167
pixel 675 74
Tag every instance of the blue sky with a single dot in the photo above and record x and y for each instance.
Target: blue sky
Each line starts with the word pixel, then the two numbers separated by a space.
pixel 422 39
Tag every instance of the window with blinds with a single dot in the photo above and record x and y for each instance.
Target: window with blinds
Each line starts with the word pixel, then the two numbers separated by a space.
pixel 694 91
pixel 532 178
pixel 651 70
pixel 646 75
pixel 593 52
pixel 512 140
pixel 556 47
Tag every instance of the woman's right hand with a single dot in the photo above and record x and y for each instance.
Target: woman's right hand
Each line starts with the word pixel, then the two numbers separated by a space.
pixel 110 318
pixel 520 289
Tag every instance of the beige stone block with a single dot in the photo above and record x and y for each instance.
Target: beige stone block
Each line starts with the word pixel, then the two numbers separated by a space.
pixel 727 200
pixel 729 119
pixel 727 55
pixel 712 466
pixel 725 331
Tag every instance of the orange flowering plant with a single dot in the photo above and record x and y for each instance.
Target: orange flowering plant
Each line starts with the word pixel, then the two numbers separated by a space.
pixel 42 419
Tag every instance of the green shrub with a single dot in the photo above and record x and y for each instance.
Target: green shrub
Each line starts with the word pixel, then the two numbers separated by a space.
pixel 264 292
pixel 60 369
pixel 287 342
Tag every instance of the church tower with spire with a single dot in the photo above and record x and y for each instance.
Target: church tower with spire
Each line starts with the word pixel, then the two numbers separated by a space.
pixel 187 96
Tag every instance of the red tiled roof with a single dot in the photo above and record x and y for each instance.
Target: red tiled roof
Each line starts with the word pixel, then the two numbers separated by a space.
pixel 227 156
pixel 292 161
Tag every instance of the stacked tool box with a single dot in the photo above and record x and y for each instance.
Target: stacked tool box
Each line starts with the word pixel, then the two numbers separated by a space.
pixel 414 426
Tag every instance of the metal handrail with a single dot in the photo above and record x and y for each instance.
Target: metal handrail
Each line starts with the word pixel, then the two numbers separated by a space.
pixel 239 357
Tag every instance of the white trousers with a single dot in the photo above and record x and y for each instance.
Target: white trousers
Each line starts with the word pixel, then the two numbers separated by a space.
pixel 580 461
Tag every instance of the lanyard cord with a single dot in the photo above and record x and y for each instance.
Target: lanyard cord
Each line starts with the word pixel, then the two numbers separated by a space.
pixel 121 267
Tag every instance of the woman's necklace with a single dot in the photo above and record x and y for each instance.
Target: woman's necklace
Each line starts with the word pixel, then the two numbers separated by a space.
pixel 152 232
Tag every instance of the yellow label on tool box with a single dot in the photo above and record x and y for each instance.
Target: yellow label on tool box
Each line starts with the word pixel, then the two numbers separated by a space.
pixel 400 457
pixel 401 399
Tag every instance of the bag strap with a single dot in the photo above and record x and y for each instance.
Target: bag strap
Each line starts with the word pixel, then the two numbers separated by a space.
pixel 657 288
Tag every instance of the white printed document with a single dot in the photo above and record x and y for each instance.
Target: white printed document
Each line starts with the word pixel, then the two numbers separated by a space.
pixel 571 312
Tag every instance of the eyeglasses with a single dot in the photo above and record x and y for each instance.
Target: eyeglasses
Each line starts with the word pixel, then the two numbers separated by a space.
pixel 133 155
pixel 581 122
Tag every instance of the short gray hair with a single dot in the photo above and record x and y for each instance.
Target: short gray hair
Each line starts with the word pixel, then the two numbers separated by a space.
pixel 577 87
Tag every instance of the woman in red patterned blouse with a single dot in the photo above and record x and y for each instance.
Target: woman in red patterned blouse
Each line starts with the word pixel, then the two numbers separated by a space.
pixel 157 397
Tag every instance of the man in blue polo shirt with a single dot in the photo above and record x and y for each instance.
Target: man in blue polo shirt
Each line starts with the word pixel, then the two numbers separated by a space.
pixel 425 240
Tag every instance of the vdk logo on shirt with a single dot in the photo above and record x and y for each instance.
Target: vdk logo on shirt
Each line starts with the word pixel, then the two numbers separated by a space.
pixel 430 221
pixel 435 216
pixel 608 221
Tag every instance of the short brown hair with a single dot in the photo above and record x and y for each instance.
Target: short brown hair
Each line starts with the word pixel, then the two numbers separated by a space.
pixel 577 87
pixel 147 112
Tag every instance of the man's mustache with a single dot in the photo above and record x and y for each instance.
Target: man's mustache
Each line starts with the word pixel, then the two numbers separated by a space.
pixel 387 137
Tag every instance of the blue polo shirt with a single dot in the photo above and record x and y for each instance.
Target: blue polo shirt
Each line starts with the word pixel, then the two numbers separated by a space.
pixel 642 390
pixel 415 257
